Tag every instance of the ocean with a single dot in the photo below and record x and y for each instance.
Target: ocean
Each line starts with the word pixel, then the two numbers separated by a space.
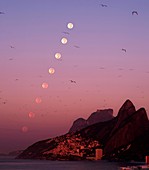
pixel 10 163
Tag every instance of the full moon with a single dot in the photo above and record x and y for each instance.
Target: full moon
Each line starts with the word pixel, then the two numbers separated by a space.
pixel 38 100
pixel 51 70
pixel 31 115
pixel 64 40
pixel 44 85
pixel 24 129
pixel 57 55
pixel 70 25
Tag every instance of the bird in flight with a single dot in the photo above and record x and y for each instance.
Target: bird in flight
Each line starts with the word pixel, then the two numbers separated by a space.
pixel 10 58
pixel 123 49
pixel 131 69
pixel 72 81
pixel 120 69
pixel 2 12
pixel 76 46
pixel 11 46
pixel 134 12
pixel 65 32
pixel 103 5
pixel 102 68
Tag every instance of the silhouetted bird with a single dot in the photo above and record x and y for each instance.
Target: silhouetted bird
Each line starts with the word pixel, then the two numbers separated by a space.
pixel 72 81
pixel 65 32
pixel 2 12
pixel 120 69
pixel 76 46
pixel 119 76
pixel 103 5
pixel 11 46
pixel 123 49
pixel 131 69
pixel 102 68
pixel 134 12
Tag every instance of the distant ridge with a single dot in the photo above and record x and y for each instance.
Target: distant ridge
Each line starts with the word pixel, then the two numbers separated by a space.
pixel 124 137
pixel 95 117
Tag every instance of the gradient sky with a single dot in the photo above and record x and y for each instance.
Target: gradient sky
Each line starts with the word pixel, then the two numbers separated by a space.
pixel 105 75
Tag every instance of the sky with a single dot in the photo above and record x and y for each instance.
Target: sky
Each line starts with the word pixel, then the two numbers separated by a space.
pixel 104 62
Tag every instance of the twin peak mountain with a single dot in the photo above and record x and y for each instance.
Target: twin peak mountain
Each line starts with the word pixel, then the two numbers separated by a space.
pixel 124 137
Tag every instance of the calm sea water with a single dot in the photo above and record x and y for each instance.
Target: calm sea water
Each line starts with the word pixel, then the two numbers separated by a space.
pixel 9 163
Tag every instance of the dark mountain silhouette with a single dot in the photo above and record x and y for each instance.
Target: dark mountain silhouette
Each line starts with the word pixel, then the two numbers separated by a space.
pixel 15 153
pixel 98 116
pixel 78 124
pixel 127 132
pixel 124 137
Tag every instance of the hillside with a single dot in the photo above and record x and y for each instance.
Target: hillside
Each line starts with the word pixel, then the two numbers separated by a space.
pixel 122 137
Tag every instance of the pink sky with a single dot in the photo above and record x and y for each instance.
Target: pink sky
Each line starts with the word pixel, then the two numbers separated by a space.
pixel 105 75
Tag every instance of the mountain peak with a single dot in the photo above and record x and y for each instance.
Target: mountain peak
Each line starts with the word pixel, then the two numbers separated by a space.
pixel 127 108
pixel 125 137
pixel 100 116
pixel 95 117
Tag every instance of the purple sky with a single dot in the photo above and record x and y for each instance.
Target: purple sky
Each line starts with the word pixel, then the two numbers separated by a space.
pixel 105 75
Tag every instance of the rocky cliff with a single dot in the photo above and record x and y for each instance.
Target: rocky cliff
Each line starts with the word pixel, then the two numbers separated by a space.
pixel 125 136
pixel 125 132
pixel 98 116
